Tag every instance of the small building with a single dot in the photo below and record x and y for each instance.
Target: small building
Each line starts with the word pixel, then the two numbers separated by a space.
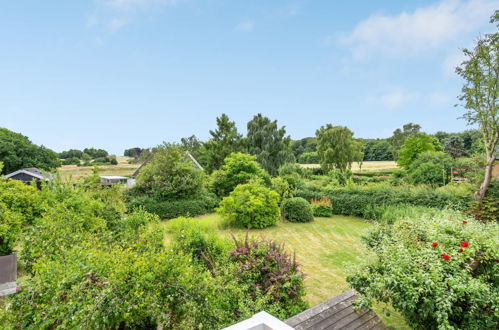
pixel 29 174
pixel 336 313
pixel 109 180
pixel 8 274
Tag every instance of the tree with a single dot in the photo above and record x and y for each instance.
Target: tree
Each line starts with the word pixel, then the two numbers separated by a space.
pixel 337 148
pixel 133 152
pixel 96 153
pixel 17 151
pixel 269 143
pixel 237 169
pixel 170 175
pixel 416 145
pixel 192 145
pixel 224 141
pixel 480 71
pixel 71 153
pixel 379 149
pixel 454 146
pixel 400 135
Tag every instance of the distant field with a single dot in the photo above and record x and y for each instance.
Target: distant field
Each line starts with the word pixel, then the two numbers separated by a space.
pixel 73 172
pixel 366 166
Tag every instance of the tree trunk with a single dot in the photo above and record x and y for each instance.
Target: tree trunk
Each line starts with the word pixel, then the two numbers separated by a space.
pixel 480 194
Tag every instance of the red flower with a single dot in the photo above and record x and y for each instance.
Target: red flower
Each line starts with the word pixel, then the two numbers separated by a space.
pixel 434 244
pixel 461 250
pixel 445 256
pixel 464 244
pixel 465 221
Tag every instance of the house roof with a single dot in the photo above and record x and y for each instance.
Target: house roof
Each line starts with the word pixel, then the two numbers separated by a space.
pixel 150 158
pixel 32 171
pixel 336 313
pixel 114 177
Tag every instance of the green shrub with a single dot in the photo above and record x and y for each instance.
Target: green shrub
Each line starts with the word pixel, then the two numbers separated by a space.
pixel 358 200
pixel 439 273
pixel 11 226
pixel 488 208
pixel 297 209
pixel 282 187
pixel 170 175
pixel 309 158
pixel 71 161
pixel 251 206
pixel 322 207
pixel 168 209
pixel 268 270
pixel 238 169
pixel 310 191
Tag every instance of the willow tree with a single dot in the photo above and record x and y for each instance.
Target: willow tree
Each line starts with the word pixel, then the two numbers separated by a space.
pixel 337 148
pixel 269 143
pixel 480 71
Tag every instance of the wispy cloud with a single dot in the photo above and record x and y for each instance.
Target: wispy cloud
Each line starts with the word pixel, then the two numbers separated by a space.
pixel 115 14
pixel 411 33
pixel 396 99
pixel 245 26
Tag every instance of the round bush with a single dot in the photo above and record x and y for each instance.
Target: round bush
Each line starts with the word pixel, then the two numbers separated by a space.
pixel 251 206
pixel 297 209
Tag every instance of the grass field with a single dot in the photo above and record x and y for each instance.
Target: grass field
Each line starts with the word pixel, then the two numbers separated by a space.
pixel 366 166
pixel 73 172
pixel 325 248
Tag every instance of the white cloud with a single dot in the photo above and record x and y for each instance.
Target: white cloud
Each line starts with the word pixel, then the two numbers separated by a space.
pixel 117 23
pixel 245 26
pixel 411 33
pixel 138 4
pixel 396 99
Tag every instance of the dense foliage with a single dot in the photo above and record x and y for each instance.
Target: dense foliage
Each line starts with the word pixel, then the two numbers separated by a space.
pixel 309 158
pixel 237 169
pixel 270 271
pixel 377 150
pixel 414 146
pixel 322 207
pixel 268 143
pixel 251 206
pixel 439 273
pixel 202 203
pixel 17 151
pixel 297 209
pixel 170 174
pixel 337 148
pixel 223 141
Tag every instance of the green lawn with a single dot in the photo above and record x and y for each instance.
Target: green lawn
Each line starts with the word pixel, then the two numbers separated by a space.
pixel 325 248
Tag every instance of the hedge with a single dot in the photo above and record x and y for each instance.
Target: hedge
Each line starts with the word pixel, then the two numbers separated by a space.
pixel 359 200
pixel 169 209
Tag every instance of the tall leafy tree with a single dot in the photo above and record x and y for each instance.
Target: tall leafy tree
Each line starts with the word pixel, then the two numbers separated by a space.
pixel 416 145
pixel 17 151
pixel 269 143
pixel 454 146
pixel 337 148
pixel 193 145
pixel 480 71
pixel 400 135
pixel 224 141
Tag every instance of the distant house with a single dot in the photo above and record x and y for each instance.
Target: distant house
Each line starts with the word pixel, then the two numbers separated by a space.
pixel 29 174
pixel 109 180
pixel 336 313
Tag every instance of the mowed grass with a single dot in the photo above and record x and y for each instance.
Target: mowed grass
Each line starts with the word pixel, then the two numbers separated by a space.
pixel 326 248
pixel 366 166
pixel 74 173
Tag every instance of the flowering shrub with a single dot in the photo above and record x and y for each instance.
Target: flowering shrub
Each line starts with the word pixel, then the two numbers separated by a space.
pixel 322 207
pixel 270 271
pixel 251 206
pixel 297 209
pixel 438 273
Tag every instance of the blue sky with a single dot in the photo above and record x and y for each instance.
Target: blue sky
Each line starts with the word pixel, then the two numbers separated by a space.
pixel 115 74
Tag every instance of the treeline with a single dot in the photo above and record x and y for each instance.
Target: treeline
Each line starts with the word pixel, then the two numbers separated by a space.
pixel 87 157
